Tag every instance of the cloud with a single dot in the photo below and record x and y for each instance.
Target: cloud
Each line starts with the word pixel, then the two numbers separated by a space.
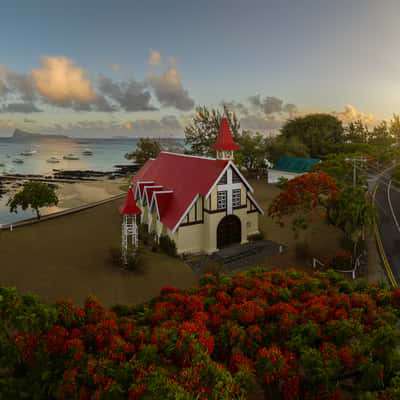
pixel 169 90
pixel 171 122
pixel 238 108
pixel 268 105
pixel 155 57
pixel 19 84
pixel 350 113
pixel 260 123
pixel 168 125
pixel 129 95
pixel 116 67
pixel 26 108
pixel 62 83
pixel 290 108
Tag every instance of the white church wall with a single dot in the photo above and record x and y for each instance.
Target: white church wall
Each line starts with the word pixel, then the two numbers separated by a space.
pixel 274 176
pixel 252 224
pixel 190 239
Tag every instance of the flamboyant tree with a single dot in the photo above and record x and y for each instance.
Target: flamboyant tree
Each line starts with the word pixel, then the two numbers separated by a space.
pixel 303 198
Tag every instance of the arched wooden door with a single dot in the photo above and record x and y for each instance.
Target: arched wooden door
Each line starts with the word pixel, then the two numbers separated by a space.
pixel 229 231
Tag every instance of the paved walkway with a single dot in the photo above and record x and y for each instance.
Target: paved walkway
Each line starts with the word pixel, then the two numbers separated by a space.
pixel 237 256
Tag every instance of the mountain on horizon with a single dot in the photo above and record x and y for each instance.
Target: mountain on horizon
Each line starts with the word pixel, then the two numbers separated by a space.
pixel 21 134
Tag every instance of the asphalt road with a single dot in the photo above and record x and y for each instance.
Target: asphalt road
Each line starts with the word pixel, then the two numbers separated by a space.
pixel 388 204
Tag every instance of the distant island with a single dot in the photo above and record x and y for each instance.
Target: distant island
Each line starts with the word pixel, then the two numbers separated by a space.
pixel 20 134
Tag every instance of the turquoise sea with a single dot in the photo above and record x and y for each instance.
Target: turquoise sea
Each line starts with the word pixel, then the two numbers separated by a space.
pixel 106 154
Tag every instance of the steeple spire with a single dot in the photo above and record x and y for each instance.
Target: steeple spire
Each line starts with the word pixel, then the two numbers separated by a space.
pixel 224 144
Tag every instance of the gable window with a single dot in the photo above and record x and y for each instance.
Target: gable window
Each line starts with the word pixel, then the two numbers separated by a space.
pixel 221 199
pixel 223 180
pixel 236 199
pixel 235 177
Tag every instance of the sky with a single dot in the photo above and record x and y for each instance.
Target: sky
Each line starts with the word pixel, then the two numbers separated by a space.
pixel 140 68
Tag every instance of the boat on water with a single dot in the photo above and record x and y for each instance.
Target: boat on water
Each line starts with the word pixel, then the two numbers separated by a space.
pixel 53 160
pixel 71 157
pixel 87 152
pixel 28 153
pixel 18 160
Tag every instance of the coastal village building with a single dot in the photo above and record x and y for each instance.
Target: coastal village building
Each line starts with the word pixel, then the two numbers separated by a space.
pixel 203 204
pixel 290 167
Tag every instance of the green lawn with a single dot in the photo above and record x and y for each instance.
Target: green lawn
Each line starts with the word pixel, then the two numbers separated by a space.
pixel 69 257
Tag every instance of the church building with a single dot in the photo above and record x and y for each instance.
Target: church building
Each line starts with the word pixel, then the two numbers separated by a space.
pixel 203 204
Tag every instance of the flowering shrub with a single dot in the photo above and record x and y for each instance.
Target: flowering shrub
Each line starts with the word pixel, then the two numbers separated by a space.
pixel 134 262
pixel 296 336
pixel 303 198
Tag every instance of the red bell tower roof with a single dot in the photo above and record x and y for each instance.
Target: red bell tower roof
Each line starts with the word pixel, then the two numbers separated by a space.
pixel 224 139
pixel 129 207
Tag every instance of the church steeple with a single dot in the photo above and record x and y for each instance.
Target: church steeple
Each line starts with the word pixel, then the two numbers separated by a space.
pixel 224 144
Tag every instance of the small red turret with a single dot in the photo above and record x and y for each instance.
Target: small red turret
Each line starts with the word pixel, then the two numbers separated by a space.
pixel 129 207
pixel 225 144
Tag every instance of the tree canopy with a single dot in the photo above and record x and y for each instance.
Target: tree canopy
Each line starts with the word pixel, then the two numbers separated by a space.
pixel 202 132
pixel 146 149
pixel 316 131
pixel 280 146
pixel 352 212
pixel 33 195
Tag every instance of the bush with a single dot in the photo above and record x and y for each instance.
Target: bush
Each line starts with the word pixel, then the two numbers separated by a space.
pixel 143 231
pixel 297 336
pixel 282 182
pixel 255 237
pixel 168 246
pixel 216 268
pixel 134 263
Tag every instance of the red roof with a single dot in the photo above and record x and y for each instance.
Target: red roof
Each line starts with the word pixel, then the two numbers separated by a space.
pixel 129 207
pixel 224 139
pixel 150 190
pixel 163 199
pixel 186 176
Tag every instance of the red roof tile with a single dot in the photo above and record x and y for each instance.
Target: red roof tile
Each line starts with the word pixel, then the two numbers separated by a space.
pixel 187 176
pixel 224 139
pixel 129 206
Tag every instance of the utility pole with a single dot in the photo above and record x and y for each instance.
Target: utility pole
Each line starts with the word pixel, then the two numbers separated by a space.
pixel 354 160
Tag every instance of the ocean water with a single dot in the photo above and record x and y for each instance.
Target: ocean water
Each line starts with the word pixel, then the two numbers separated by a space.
pixel 106 154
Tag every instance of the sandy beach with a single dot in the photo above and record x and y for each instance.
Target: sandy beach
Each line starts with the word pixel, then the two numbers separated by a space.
pixel 76 194
pixel 70 195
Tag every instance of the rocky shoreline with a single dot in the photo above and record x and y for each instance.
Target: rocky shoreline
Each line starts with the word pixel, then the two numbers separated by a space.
pixel 11 183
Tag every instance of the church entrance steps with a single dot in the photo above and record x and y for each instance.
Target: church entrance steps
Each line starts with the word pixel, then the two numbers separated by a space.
pixel 235 256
